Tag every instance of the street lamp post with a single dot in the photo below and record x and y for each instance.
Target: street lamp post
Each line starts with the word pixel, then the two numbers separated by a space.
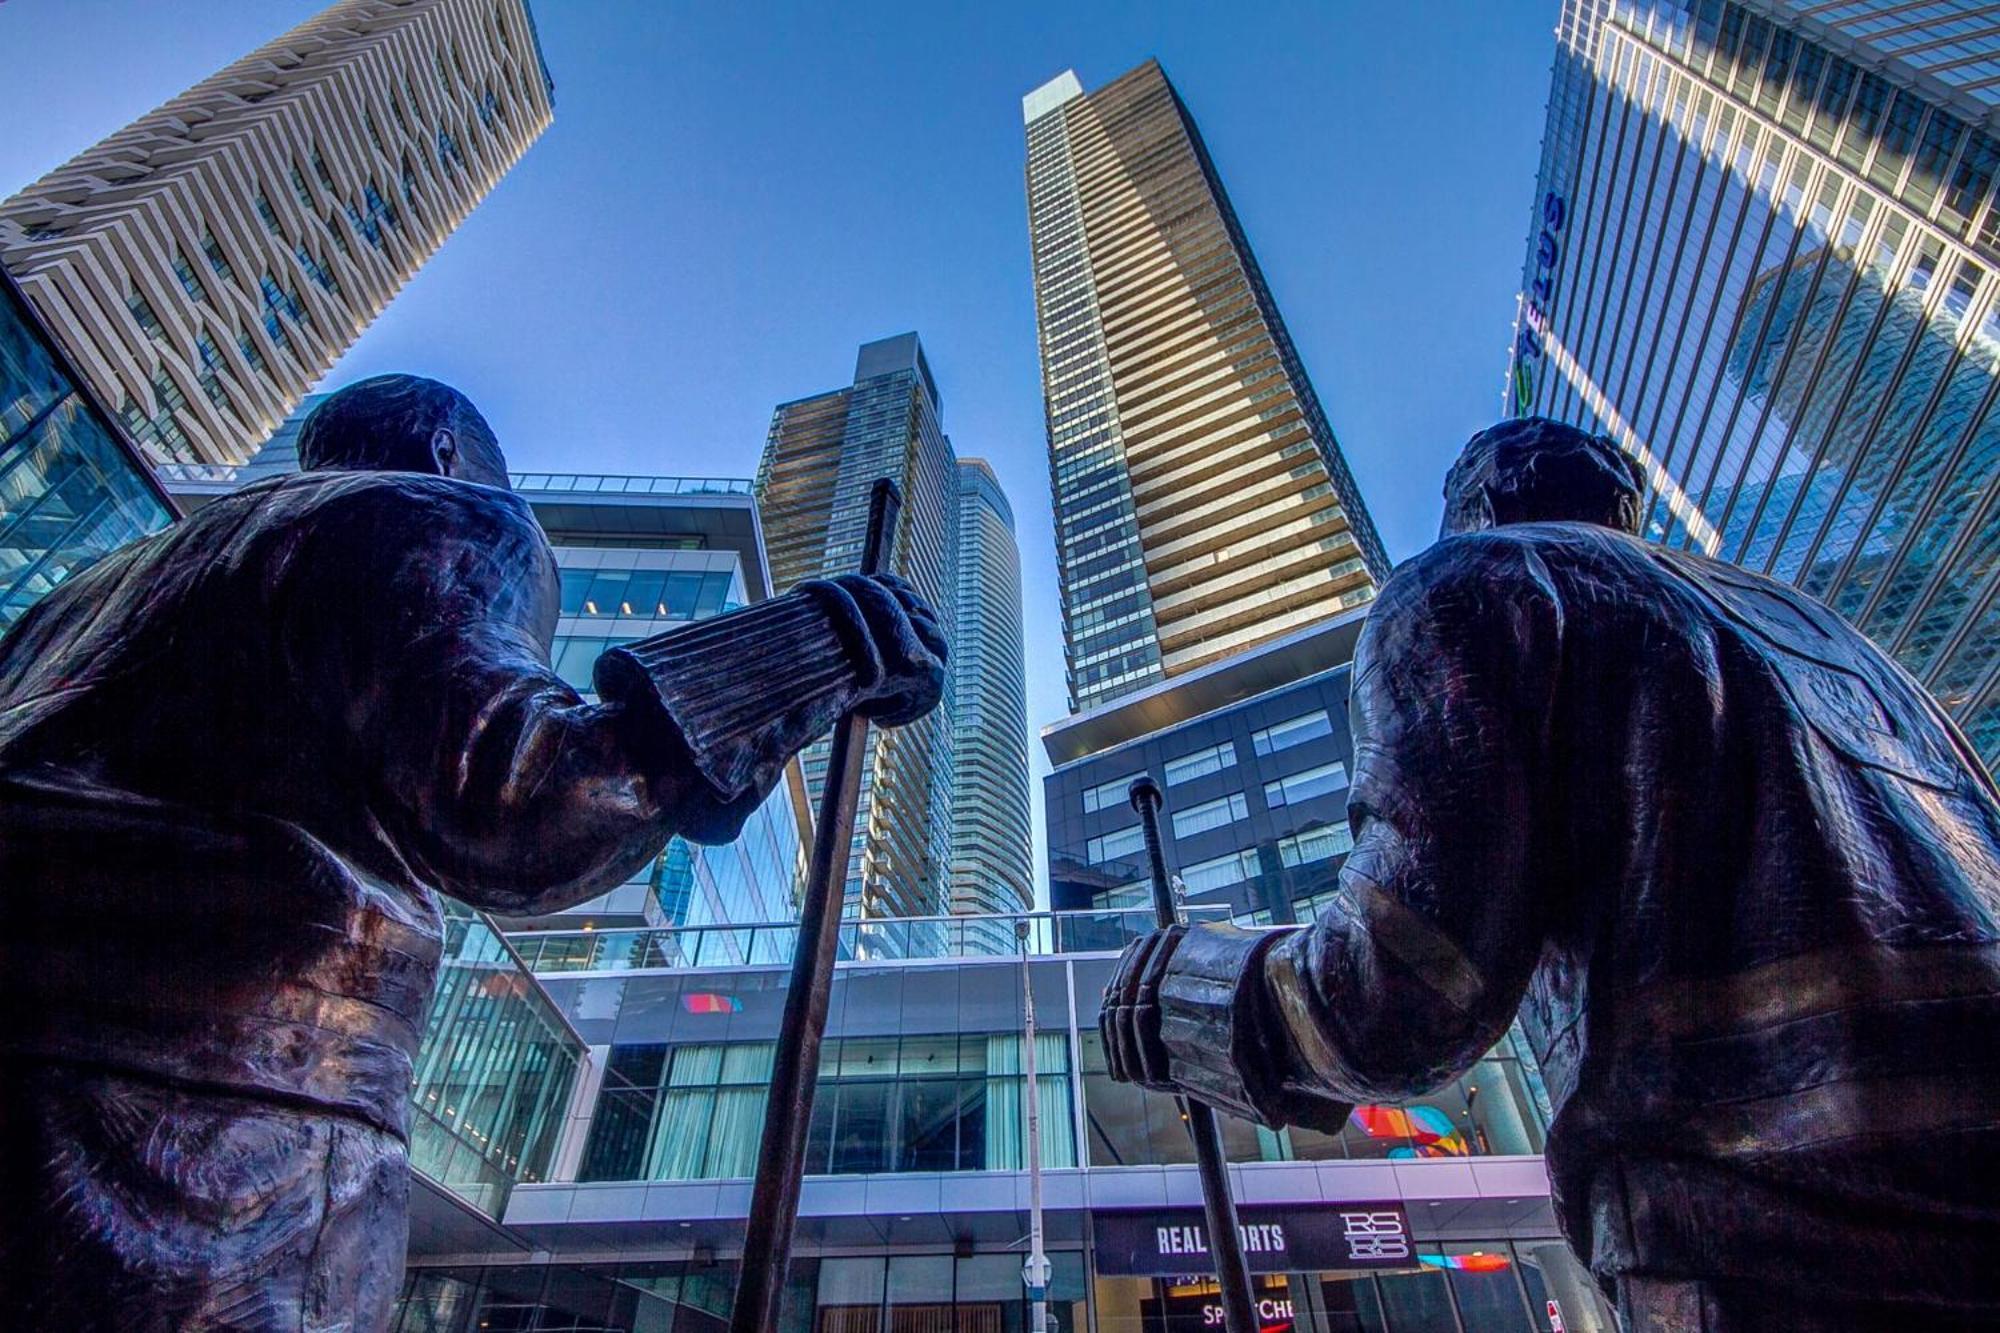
pixel 1035 1271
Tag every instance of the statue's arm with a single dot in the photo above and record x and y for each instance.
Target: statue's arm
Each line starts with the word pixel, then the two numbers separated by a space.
pixel 509 791
pixel 1422 959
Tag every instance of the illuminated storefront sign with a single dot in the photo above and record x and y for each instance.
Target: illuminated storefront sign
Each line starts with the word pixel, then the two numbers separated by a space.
pixel 1275 1240
pixel 1537 304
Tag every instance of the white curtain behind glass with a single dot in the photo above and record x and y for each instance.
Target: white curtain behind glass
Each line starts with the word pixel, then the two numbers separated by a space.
pixel 739 1110
pixel 681 1125
pixel 1006 1120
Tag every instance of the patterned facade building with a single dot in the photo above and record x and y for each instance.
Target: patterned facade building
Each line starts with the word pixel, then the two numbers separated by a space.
pixel 206 264
pixel 821 458
pixel 1763 256
pixel 990 848
pixel 1202 503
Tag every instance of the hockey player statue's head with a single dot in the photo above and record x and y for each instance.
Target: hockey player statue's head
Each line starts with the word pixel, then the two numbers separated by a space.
pixel 1535 470
pixel 402 423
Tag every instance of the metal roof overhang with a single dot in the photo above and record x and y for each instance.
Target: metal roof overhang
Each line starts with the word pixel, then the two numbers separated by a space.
pixel 723 522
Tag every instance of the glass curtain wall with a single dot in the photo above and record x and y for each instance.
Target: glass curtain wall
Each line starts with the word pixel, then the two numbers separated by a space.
pixel 1766 264
pixel 494 1073
pixel 619 596
pixel 950 1102
pixel 70 491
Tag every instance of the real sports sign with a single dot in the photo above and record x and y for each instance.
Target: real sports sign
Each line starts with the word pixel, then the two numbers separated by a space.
pixel 1173 1242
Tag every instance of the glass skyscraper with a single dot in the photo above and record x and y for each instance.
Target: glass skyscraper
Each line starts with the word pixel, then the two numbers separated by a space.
pixel 206 264
pixel 990 823
pixel 72 489
pixel 822 456
pixel 1762 257
pixel 1202 503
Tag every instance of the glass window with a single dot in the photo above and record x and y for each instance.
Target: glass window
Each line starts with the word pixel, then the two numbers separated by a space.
pixel 574 658
pixel 1307 910
pixel 1482 1278
pixel 1115 845
pixel 251 355
pixel 682 592
pixel 216 259
pixel 606 591
pixel 575 583
pixel 493 1075
pixel 714 596
pixel 1111 795
pixel 1316 844
pixel 1210 815
pixel 643 594
pixel 1292 731
pixel 853 1289
pixel 72 490
pixel 1415 1300
pixel 190 281
pixel 1296 787
pixel 930 1104
pixel 1201 763
pixel 142 313
pixel 1219 873
pixel 952 1102
pixel 924 1280
pixel 624 1113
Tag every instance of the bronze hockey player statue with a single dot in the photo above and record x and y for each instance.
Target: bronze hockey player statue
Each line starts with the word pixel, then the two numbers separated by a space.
pixel 238 763
pixel 1734 869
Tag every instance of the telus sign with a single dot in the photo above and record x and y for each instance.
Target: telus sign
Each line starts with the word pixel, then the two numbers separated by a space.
pixel 1538 303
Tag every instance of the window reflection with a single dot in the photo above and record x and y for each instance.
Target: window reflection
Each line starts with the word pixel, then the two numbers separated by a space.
pixel 645 594
pixel 69 490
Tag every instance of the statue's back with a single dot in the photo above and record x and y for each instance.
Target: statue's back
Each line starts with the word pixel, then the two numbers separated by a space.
pixel 1764 1008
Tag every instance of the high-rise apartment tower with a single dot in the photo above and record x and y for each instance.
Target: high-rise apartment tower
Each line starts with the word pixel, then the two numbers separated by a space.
pixel 205 265
pixel 1763 257
pixel 989 824
pixel 821 458
pixel 1202 503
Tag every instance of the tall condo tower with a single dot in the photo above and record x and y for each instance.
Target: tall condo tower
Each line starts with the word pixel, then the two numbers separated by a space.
pixel 989 826
pixel 205 265
pixel 1762 256
pixel 821 458
pixel 1202 504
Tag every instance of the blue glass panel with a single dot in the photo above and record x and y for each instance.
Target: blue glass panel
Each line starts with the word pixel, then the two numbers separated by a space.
pixel 69 491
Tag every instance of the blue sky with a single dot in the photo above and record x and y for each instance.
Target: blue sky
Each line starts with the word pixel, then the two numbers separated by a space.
pixel 734 196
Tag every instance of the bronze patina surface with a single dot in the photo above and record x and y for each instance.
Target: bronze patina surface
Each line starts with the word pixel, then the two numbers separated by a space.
pixel 1734 870
pixel 240 760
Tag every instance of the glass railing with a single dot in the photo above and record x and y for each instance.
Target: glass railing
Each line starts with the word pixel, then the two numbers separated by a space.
pixel 222 474
pixel 873 940
pixel 494 1073
pixel 602 484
